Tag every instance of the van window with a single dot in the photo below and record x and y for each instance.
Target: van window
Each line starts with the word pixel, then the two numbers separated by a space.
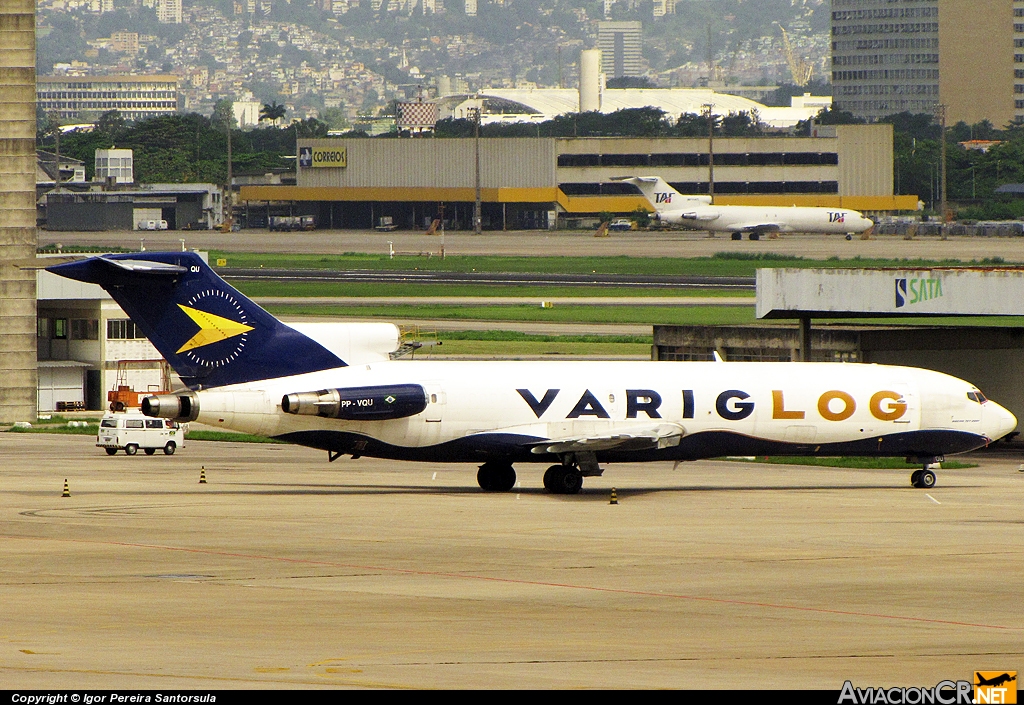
pixel 133 423
pixel 154 423
pixel 108 423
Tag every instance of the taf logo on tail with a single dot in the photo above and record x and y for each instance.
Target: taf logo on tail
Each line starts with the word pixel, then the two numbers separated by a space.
pixel 662 198
pixel 226 331
pixel 837 217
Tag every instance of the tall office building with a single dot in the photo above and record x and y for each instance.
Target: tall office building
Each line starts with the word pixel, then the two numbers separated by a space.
pixel 891 56
pixel 621 47
pixel 136 97
pixel 168 11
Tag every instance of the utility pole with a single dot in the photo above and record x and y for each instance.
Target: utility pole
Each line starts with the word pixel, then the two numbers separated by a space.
pixel 711 150
pixel 942 168
pixel 227 205
pixel 55 115
pixel 476 140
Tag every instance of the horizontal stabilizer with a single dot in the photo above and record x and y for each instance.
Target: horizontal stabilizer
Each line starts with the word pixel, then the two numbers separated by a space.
pixel 209 332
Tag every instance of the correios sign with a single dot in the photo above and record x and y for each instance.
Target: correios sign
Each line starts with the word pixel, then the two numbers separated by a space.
pixel 336 157
pixel 939 291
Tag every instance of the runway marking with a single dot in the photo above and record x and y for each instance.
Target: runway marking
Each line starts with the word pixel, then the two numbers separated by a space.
pixel 535 583
pixel 933 499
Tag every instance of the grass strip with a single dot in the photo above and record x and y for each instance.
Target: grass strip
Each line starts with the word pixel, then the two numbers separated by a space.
pixel 263 287
pixel 851 462
pixel 229 436
pixel 93 429
pixel 719 264
pixel 695 315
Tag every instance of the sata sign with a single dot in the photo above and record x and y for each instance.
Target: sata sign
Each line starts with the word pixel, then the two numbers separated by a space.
pixel 323 157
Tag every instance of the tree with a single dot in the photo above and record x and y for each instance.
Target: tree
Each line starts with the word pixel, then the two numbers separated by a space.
pixel 224 114
pixel 334 117
pixel 742 124
pixel 310 127
pixel 630 82
pixel 274 112
pixel 112 126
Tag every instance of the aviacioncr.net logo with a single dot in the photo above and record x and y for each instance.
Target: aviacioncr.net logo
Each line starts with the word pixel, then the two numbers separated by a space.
pixel 944 693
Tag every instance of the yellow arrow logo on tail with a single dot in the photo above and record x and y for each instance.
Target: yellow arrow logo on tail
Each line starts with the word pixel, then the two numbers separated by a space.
pixel 212 329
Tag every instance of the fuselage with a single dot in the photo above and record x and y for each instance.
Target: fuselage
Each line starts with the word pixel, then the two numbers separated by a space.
pixel 478 411
pixel 768 219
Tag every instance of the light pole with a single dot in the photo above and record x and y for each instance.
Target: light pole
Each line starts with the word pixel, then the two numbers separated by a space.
pixel 942 169
pixel 711 149
pixel 476 144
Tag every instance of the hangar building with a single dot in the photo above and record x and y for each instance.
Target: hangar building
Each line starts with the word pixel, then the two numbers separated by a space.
pixel 560 182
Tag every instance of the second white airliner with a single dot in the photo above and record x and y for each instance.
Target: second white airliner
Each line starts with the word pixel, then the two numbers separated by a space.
pixel 699 213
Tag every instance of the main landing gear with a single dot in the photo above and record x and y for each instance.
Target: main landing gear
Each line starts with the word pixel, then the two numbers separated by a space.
pixel 566 478
pixel 924 479
pixel 563 479
pixel 495 476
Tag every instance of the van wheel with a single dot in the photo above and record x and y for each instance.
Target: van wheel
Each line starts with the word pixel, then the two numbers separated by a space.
pixel 149 451
pixel 131 449
pixel 111 451
pixel 169 448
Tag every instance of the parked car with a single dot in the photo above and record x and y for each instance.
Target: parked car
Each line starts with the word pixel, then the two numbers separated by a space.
pixel 130 431
pixel 621 224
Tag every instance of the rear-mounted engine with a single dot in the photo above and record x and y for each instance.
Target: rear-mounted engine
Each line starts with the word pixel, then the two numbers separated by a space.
pixel 390 401
pixel 179 407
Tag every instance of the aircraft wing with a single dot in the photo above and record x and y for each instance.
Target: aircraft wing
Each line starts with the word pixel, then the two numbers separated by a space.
pixel 759 227
pixel 645 438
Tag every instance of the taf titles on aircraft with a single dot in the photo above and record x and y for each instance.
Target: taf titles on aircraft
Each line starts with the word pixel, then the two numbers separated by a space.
pixel 334 387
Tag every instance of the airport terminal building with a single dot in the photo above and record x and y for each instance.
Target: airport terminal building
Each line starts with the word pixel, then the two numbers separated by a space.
pixel 566 182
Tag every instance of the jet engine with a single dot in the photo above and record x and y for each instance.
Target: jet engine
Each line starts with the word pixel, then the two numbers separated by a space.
pixel 389 401
pixel 178 407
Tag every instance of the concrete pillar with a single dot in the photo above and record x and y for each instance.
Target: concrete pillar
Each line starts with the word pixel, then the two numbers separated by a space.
pixel 805 339
pixel 17 210
pixel 590 80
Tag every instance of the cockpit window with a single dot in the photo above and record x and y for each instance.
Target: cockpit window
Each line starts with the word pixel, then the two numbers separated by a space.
pixel 977 396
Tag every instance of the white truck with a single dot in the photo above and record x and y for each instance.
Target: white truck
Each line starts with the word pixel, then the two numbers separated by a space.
pixel 130 431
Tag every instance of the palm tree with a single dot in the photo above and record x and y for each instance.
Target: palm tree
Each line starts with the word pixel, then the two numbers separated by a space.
pixel 273 112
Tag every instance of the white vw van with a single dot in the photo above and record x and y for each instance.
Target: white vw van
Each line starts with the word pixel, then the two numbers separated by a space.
pixel 131 431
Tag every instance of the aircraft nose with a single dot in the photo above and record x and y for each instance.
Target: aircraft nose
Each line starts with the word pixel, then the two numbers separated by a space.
pixel 998 421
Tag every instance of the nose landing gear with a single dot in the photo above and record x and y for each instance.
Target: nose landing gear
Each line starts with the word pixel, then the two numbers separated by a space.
pixel 924 479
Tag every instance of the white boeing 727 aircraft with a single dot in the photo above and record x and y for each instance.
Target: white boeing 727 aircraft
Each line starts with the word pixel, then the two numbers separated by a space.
pixel 698 213
pixel 247 371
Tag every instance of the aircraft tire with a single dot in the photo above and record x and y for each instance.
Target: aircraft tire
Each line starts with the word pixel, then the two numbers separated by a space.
pixel 560 479
pixel 755 236
pixel 737 236
pixel 111 451
pixel 926 480
pixel 131 449
pixel 915 478
pixel 496 477
pixel 150 451
pixel 169 448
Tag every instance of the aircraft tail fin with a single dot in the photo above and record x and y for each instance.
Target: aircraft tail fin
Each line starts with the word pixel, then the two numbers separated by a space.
pixel 209 332
pixel 660 194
